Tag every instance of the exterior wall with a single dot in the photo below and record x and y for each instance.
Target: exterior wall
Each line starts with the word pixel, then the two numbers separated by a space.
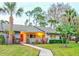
pixel 17 37
pixel 55 36
pixel 38 37
pixel 52 36
pixel 26 36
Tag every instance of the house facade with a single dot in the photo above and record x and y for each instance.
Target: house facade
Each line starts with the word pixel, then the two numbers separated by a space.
pixel 32 34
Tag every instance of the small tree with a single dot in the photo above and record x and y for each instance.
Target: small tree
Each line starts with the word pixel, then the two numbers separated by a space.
pixel 66 31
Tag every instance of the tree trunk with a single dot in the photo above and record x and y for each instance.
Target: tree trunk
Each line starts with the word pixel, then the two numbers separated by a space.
pixel 29 19
pixel 50 25
pixel 36 22
pixel 10 39
pixel 65 44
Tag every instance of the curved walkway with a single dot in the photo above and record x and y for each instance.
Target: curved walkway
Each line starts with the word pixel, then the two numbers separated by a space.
pixel 43 51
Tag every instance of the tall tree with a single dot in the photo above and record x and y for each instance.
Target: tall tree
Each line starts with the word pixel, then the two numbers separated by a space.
pixel 11 9
pixel 56 10
pixel 29 14
pixel 42 20
pixel 36 12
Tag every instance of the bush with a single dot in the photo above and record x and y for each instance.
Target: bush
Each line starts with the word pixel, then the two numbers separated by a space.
pixel 58 41
pixel 2 39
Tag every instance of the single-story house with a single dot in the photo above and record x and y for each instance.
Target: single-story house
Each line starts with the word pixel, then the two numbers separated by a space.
pixel 32 34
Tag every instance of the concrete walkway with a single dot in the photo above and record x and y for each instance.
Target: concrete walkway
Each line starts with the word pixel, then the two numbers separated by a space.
pixel 43 51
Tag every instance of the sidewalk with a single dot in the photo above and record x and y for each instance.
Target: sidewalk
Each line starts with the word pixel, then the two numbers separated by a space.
pixel 43 51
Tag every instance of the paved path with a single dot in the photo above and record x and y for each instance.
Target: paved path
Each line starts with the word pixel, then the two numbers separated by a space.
pixel 43 51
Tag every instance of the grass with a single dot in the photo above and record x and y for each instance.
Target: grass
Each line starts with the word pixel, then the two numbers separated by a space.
pixel 17 50
pixel 59 50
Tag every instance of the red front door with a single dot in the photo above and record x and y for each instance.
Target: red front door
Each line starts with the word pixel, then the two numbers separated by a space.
pixel 21 37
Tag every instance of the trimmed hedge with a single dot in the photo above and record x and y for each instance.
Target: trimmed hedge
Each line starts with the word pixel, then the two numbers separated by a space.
pixel 2 39
pixel 58 41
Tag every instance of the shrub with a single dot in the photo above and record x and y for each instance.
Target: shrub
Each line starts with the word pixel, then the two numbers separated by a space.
pixel 58 41
pixel 2 39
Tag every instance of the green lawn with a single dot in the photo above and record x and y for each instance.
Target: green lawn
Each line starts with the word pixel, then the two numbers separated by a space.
pixel 17 50
pixel 58 50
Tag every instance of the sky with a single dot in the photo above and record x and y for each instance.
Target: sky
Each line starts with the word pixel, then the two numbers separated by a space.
pixel 30 6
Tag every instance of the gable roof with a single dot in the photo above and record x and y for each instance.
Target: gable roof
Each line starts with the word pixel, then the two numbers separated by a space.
pixel 21 28
pixel 28 28
pixel 46 29
pixel 32 29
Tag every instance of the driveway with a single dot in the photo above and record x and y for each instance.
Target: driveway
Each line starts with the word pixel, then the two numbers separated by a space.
pixel 43 51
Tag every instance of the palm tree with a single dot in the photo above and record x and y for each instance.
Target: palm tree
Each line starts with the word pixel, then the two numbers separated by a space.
pixel 69 15
pixel 10 9
pixel 29 14
pixel 52 22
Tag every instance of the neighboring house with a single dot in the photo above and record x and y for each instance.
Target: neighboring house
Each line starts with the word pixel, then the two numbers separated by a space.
pixel 33 34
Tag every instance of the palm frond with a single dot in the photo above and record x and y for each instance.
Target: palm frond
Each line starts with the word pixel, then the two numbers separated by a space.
pixel 52 21
pixel 28 13
pixel 13 6
pixel 6 10
pixel 10 7
pixel 2 10
pixel 19 12
pixel 7 4
pixel 6 21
